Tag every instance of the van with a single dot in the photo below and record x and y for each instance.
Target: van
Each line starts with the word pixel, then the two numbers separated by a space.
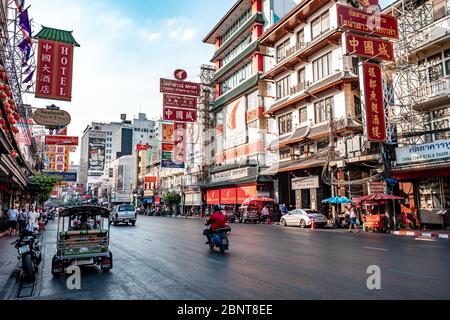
pixel 124 213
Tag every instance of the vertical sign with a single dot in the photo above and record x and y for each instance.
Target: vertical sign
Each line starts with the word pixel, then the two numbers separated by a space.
pixel 180 143
pixel 372 91
pixel 54 70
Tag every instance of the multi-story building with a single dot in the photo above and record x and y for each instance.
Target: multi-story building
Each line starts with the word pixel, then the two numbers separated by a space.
pixel 314 107
pixel 420 107
pixel 238 109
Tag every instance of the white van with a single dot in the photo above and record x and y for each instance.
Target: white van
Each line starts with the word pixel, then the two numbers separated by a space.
pixel 123 213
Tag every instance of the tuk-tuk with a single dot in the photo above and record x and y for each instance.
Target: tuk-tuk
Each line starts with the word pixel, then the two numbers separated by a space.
pixel 83 239
pixel 249 213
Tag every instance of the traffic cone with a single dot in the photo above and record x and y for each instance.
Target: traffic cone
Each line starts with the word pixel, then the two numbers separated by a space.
pixel 313 225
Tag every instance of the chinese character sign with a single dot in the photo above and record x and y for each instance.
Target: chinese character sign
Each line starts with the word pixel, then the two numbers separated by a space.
pixel 369 47
pixel 180 115
pixel 54 70
pixel 374 102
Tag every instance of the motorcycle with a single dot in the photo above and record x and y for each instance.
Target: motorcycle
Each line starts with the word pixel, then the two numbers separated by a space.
pixel 219 239
pixel 29 249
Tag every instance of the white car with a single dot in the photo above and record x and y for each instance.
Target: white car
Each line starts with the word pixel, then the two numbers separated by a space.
pixel 303 218
pixel 123 213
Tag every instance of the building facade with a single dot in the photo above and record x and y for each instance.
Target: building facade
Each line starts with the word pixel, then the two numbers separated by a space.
pixel 420 108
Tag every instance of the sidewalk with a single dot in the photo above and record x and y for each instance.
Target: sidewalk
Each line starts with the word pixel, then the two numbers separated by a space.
pixel 8 263
pixel 441 234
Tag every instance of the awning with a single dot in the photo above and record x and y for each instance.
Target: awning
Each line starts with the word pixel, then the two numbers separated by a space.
pixel 311 162
pixel 422 171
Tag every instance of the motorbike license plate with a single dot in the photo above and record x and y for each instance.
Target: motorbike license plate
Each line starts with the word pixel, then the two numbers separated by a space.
pixel 24 249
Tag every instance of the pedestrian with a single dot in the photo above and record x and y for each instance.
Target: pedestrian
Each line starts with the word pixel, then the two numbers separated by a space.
pixel 265 214
pixel 353 219
pixel 13 215
pixel 284 210
pixel 22 219
pixel 31 220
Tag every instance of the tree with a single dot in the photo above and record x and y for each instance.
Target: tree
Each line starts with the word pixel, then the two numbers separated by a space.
pixel 41 187
pixel 171 197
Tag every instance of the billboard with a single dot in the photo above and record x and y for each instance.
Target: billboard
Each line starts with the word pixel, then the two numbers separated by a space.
pixel 54 70
pixel 180 143
pixel 120 177
pixel 372 93
pixel 97 150
pixel 235 126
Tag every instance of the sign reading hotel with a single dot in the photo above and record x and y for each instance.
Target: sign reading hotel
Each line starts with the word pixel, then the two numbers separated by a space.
pixel 54 70
pixel 433 151
pixel 180 87
pixel 368 47
pixel 171 100
pixel 372 87
pixel 235 126
pixel 360 20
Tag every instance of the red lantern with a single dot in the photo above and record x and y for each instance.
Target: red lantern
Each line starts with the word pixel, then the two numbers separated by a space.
pixel 3 95
pixel 2 68
pixel 6 105
pixel 2 122
pixel 14 154
pixel 16 116
pixel 3 75
pixel 15 130
pixel 5 127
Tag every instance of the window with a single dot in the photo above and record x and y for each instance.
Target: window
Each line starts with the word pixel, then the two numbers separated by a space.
pixel 435 67
pixel 301 76
pixel 322 67
pixel 285 123
pixel 301 38
pixel 282 50
pixel 236 51
pixel 285 155
pixel 358 110
pixel 438 9
pixel 322 145
pixel 320 25
pixel 237 78
pixel 437 123
pixel 283 87
pixel 236 25
pixel 322 108
pixel 303 115
pixel 430 194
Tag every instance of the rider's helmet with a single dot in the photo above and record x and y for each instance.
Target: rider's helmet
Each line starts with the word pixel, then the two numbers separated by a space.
pixel 217 207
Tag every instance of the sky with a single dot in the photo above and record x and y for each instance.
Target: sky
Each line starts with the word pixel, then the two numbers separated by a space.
pixel 126 47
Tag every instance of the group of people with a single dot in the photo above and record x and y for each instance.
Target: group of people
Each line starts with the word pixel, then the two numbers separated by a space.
pixel 22 219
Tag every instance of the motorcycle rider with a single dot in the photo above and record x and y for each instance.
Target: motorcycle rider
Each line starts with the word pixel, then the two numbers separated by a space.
pixel 216 221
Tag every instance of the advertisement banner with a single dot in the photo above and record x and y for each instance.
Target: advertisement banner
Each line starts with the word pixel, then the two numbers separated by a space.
pixel 168 164
pixel 120 178
pixel 150 179
pixel 61 140
pixel 171 100
pixel 167 132
pixel 228 196
pixel 213 197
pixel 438 150
pixel 365 22
pixel 179 149
pixel 141 147
pixel 167 147
pixel 180 87
pixel 368 47
pixel 374 102
pixel 54 70
pixel 97 149
pixel 246 192
pixel 235 127
pixel 63 176
pixel 179 115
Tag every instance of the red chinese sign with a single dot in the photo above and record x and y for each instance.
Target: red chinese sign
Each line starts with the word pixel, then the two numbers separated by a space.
pixel 61 140
pixel 369 47
pixel 228 196
pixel 171 100
pixel 141 147
pixel 374 102
pixel 167 147
pixel 363 21
pixel 246 192
pixel 179 115
pixel 150 179
pixel 180 143
pixel 54 70
pixel 213 197
pixel 180 87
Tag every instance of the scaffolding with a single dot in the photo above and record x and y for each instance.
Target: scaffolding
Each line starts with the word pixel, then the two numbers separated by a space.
pixel 405 124
pixel 205 116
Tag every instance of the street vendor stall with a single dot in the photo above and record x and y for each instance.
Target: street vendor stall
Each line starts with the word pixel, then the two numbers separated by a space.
pixel 375 221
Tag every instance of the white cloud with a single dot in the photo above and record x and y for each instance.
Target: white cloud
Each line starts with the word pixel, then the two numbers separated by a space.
pixel 183 34
pixel 150 36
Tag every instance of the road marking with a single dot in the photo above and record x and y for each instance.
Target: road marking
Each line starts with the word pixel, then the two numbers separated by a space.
pixel 348 238
pixel 424 239
pixel 432 247
pixel 215 261
pixel 413 274
pixel 378 249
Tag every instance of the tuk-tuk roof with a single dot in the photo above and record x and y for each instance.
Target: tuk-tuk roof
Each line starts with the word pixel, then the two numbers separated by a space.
pixel 86 210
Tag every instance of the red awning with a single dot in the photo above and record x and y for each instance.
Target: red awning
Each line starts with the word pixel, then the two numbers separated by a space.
pixel 376 197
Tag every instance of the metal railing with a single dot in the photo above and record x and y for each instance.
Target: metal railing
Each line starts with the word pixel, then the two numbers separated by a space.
pixel 431 90
pixel 300 87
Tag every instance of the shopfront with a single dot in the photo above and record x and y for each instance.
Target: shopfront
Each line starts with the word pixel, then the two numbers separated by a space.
pixel 423 172
pixel 193 200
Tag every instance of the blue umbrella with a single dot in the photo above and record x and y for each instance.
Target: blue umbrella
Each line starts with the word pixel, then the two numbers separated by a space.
pixel 337 200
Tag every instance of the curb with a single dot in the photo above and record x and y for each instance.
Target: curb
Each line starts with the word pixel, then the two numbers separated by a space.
pixel 3 234
pixel 417 234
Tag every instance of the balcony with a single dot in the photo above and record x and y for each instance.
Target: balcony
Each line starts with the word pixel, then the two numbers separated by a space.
pixel 235 92
pixel 432 94
pixel 299 87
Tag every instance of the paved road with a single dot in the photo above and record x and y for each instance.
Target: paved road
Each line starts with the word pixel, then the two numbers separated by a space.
pixel 165 258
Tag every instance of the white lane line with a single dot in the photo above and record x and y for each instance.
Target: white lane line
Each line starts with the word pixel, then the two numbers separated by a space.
pixel 348 238
pixel 378 249
pixel 439 247
pixel 425 239
pixel 413 274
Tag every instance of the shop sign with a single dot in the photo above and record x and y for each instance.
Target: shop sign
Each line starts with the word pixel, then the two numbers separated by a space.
pixel 180 115
pixel 63 176
pixel 372 92
pixel 228 196
pixel 148 193
pixel 150 179
pixel 52 118
pixel 157 200
pixel 369 23
pixel 54 70
pixel 263 194
pixel 368 47
pixel 305 183
pixel 167 147
pixel 377 187
pixel 61 140
pixel 193 199
pixel 234 174
pixel 180 87
pixel 168 164
pixel 244 193
pixel 213 197
pixel 171 100
pixel 424 152
pixel 167 155
pixel 141 147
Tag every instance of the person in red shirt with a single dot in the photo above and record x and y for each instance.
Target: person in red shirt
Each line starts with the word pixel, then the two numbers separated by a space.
pixel 217 221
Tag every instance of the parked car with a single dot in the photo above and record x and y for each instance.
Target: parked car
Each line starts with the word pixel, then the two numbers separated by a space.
pixel 303 218
pixel 249 213
pixel 123 213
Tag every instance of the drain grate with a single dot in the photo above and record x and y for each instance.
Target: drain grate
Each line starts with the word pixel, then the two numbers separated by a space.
pixel 26 290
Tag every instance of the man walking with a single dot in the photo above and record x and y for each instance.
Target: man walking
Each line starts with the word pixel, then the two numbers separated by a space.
pixel 22 218
pixel 13 215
